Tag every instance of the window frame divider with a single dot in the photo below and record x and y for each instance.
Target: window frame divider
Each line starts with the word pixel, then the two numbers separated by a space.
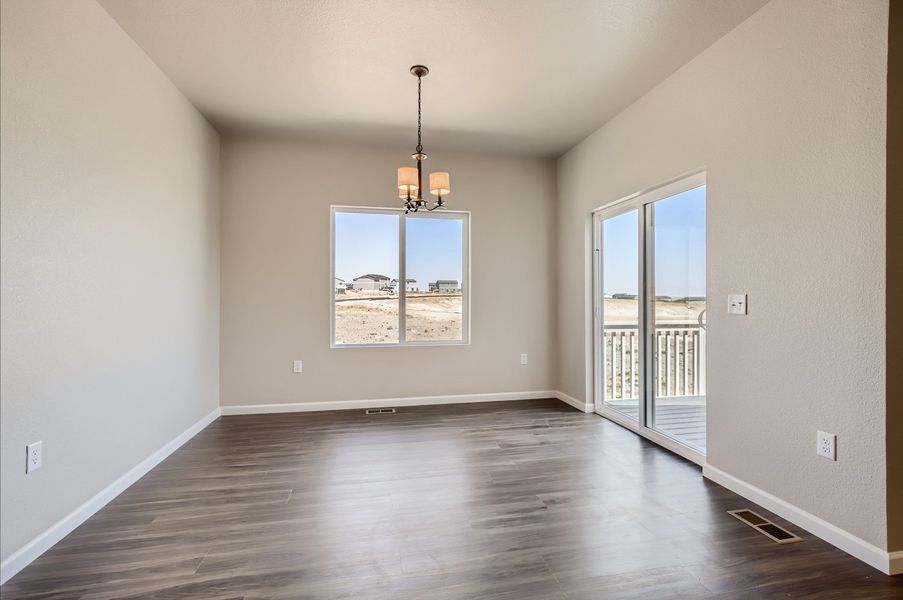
pixel 402 280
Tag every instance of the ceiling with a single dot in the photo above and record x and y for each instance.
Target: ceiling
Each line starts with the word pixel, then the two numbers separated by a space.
pixel 520 76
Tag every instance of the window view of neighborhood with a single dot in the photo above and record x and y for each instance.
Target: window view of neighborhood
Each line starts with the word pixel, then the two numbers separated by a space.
pixel 367 286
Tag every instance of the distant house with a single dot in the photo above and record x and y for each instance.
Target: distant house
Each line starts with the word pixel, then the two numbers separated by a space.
pixel 410 286
pixel 371 281
pixel 447 285
pixel 624 296
pixel 339 285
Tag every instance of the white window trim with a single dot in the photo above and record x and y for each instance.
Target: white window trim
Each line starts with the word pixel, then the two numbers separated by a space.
pixel 465 276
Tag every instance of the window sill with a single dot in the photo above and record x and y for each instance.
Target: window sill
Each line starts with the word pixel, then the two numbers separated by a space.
pixel 432 344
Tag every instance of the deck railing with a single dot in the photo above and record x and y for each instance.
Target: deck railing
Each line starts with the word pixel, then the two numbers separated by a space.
pixel 678 352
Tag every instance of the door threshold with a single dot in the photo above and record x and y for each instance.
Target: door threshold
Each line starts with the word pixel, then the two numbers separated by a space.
pixel 664 441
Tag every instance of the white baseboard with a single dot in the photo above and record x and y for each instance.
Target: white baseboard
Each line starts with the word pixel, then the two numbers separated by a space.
pixel 255 409
pixel 22 557
pixel 888 563
pixel 581 406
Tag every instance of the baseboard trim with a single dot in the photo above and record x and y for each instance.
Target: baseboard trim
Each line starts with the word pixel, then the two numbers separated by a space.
pixel 888 563
pixel 22 557
pixel 256 409
pixel 895 566
pixel 581 406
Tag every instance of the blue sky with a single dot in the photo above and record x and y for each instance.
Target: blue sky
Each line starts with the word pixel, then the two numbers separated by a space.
pixel 679 247
pixel 368 243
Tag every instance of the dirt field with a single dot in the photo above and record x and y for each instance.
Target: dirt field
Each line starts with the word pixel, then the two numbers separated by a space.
pixel 372 317
pixel 625 311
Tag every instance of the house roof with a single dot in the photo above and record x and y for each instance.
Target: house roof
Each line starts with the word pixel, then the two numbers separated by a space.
pixel 446 281
pixel 372 277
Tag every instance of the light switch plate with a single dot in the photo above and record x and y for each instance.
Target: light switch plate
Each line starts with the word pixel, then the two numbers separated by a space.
pixel 736 304
pixel 297 366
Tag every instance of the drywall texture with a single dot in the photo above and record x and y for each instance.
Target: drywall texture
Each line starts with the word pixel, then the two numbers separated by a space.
pixel 110 268
pixel 787 115
pixel 894 278
pixel 276 275
pixel 340 69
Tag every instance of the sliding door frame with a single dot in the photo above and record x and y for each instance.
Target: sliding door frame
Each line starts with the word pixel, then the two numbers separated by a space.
pixel 641 202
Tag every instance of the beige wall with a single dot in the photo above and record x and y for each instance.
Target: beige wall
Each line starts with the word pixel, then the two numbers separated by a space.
pixel 109 252
pixel 787 115
pixel 276 219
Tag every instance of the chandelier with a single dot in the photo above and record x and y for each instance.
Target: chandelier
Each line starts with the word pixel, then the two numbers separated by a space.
pixel 410 179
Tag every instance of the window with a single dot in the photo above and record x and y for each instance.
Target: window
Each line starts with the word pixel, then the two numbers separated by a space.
pixel 399 279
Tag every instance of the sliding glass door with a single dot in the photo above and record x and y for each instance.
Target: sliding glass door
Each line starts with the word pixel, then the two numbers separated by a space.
pixel 621 312
pixel 676 270
pixel 649 314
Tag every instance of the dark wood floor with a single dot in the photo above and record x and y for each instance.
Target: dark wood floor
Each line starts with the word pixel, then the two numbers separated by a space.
pixel 514 500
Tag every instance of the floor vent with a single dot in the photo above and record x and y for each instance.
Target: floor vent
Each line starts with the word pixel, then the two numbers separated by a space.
pixel 765 527
pixel 380 411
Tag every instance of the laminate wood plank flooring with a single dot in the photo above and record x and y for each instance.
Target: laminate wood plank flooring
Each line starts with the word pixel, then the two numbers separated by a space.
pixel 499 501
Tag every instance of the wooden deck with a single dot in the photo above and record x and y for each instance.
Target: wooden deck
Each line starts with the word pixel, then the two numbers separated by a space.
pixel 684 422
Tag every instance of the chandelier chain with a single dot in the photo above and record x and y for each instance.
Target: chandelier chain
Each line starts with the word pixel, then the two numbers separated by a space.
pixel 419 128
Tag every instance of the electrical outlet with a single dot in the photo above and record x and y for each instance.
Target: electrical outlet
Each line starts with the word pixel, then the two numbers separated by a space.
pixel 33 457
pixel 826 445
pixel 297 366
pixel 523 359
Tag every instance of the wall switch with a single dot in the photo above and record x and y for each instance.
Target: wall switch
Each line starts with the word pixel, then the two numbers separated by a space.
pixel 33 457
pixel 297 366
pixel 826 445
pixel 736 304
pixel 523 359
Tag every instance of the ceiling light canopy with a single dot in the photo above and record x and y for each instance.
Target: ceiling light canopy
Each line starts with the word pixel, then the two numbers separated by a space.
pixel 410 179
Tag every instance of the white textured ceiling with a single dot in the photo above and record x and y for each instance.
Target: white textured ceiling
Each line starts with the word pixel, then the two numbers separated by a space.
pixel 526 76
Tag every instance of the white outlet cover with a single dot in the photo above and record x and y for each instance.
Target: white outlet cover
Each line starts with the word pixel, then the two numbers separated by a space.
pixel 736 304
pixel 523 359
pixel 297 366
pixel 34 456
pixel 826 445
